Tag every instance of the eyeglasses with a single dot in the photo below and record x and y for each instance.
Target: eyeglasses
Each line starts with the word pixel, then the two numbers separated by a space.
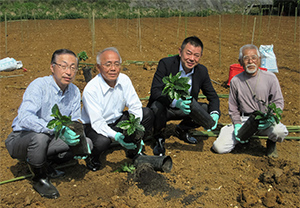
pixel 253 58
pixel 72 67
pixel 109 65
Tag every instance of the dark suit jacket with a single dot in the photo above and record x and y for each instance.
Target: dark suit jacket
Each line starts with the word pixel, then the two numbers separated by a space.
pixel 200 81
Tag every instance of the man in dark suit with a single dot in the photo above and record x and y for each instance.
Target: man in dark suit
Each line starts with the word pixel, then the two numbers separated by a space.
pixel 166 109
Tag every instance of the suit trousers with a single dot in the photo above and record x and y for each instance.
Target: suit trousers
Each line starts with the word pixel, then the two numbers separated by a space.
pixel 35 148
pixel 102 143
pixel 163 114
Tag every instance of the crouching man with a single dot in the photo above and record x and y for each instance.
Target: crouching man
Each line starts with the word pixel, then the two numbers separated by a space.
pixel 252 90
pixel 31 140
pixel 104 99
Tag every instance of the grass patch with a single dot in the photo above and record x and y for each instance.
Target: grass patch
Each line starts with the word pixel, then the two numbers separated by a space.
pixel 77 9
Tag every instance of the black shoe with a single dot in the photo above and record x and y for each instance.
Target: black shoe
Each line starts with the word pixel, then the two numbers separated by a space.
pixel 45 188
pixel 159 148
pixel 42 184
pixel 53 173
pixel 93 163
pixel 271 149
pixel 185 136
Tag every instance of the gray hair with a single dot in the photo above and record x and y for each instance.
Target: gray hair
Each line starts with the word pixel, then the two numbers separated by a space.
pixel 248 46
pixel 108 49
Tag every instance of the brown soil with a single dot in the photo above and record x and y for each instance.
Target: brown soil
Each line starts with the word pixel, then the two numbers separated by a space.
pixel 199 178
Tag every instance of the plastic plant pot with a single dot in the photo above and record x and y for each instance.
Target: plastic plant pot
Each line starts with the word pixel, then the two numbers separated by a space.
pixel 159 163
pixel 81 149
pixel 87 74
pixel 135 138
pixel 249 128
pixel 200 115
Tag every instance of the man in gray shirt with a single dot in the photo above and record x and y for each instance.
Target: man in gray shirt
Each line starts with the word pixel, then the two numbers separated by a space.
pixel 252 90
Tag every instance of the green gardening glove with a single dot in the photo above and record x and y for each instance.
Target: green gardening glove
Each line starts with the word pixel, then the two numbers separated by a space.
pixel 236 131
pixel 68 136
pixel 215 117
pixel 184 105
pixel 120 138
pixel 266 123
pixel 141 146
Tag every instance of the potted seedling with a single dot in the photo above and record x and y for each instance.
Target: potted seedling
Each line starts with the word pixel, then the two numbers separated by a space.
pixel 250 127
pixel 133 130
pixel 82 56
pixel 177 87
pixel 81 149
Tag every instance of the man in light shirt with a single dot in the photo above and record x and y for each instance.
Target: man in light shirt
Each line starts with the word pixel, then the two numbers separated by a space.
pixel 252 90
pixel 31 140
pixel 104 99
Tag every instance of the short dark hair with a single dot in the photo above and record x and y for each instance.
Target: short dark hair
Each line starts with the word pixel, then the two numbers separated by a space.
pixel 60 52
pixel 193 40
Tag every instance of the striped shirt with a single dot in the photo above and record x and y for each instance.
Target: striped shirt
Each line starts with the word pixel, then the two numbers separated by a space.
pixel 40 96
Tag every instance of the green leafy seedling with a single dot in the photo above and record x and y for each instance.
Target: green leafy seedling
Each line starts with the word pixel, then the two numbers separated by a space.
pixel 271 111
pixel 131 125
pixel 82 56
pixel 176 87
pixel 126 168
pixel 59 121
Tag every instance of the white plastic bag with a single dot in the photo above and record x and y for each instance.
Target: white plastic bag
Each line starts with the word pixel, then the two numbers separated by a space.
pixel 10 64
pixel 268 58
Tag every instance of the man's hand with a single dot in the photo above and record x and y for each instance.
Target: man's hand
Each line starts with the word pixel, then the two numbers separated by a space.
pixel 237 128
pixel 215 117
pixel 141 146
pixel 120 138
pixel 236 131
pixel 83 157
pixel 69 136
pixel 264 124
pixel 184 105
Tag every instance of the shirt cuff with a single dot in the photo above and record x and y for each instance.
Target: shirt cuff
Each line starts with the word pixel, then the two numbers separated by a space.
pixel 173 104
pixel 214 112
pixel 48 131
pixel 112 134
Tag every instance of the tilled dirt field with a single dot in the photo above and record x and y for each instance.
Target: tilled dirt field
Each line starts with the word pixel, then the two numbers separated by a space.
pixel 199 178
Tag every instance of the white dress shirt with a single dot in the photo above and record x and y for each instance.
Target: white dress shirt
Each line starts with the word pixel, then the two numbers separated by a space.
pixel 103 105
